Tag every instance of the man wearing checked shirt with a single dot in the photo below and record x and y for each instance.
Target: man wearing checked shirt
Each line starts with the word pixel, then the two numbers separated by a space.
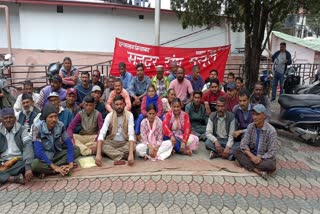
pixel 259 145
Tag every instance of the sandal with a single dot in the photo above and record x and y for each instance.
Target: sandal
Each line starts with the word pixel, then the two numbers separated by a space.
pixel 119 162
pixel 19 179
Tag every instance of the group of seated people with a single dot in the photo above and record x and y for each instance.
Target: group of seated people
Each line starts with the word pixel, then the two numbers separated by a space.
pixel 155 118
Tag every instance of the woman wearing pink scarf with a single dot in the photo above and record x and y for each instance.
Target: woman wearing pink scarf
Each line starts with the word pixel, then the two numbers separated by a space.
pixel 152 146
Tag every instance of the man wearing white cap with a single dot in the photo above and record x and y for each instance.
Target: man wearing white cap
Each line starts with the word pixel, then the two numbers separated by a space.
pixel 99 106
pixel 160 82
pixel 259 145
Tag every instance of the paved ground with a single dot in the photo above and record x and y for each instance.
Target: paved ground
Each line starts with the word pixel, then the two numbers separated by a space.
pixel 294 189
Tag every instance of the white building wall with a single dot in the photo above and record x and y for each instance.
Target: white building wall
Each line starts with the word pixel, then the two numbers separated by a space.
pixel 300 54
pixel 95 29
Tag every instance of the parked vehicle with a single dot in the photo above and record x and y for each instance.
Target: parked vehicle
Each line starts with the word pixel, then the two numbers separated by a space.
pixel 300 115
pixel 266 77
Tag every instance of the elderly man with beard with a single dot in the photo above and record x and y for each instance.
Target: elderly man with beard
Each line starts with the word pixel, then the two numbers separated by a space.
pixel 55 86
pixel 182 87
pixel 27 89
pixel 16 152
pixel 258 97
pixel 219 131
pixel 29 113
pixel 53 147
pixel 120 143
pixel 160 82
pixel 259 145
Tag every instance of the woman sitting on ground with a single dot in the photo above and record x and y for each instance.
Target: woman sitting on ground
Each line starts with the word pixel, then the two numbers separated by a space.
pixel 152 146
pixel 150 97
pixel 176 127
pixel 68 73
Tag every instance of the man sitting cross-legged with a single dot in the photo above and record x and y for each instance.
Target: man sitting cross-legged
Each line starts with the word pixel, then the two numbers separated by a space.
pixel 259 145
pixel 119 144
pixel 91 122
pixel 53 148
pixel 16 152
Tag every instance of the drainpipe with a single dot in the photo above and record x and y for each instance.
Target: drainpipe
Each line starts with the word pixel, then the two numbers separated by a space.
pixel 6 9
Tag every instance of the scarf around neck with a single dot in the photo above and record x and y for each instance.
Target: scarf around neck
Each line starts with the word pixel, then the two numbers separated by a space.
pixel 153 100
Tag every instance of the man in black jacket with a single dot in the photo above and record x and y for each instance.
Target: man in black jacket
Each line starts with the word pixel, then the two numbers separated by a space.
pixel 29 112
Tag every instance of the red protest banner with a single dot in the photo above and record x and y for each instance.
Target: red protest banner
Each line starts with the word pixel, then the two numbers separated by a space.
pixel 133 53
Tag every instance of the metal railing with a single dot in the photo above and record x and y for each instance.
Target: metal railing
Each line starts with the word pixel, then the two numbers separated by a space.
pixel 18 74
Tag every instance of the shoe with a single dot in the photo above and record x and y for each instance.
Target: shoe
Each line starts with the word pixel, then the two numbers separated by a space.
pixel 264 175
pixel 212 155
pixel 19 179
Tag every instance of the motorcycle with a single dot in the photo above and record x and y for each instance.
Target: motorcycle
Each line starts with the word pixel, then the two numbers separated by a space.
pixel 300 115
pixel 266 78
pixel 7 100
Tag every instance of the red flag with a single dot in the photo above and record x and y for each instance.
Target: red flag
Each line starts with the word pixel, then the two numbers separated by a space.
pixel 133 53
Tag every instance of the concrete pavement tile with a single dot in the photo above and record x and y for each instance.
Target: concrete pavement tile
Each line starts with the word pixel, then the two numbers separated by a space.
pixel 82 197
pixel 297 192
pixel 226 210
pixel 252 211
pixel 229 188
pixel 303 182
pixel 156 178
pixel 113 178
pixel 12 187
pixel 54 197
pixel 309 174
pixel 282 181
pixel 131 198
pixel 292 181
pixel 84 208
pixel 57 208
pixel 172 186
pixel 218 179
pixel 292 204
pixel 83 184
pixel 4 187
pixel 277 211
pixel 252 190
pixel 201 210
pixel 111 208
pixel 97 209
pixel 6 207
pixel 167 199
pixel 124 178
pixel 116 185
pixel 240 189
pixel 198 179
pixel 143 198
pixel 285 191
pixel 204 200
pixel 71 208
pixel 176 178
pixel 251 180
pixel 228 201
pixel 136 208
pixel 241 180
pixel 291 211
pixel 304 205
pixel 33 197
pixel 8 196
pixel 155 198
pixel 216 201
pixel 253 202
pixel 275 191
pixel 206 188
pixel 278 204
pixel 263 191
pixel 145 178
pixel 214 210
pixel 43 208
pixel 17 208
pixel 179 199
pixel 192 200
pixel 127 185
pixel 37 185
pixel 123 208
pixel 105 185
pixel 188 210
pixel 207 178
pixel 149 208
pixel 60 185
pixel 303 211
pixel 166 178
pixel 174 209
pixel 188 178
pixel 239 210
pixel 95 198
pixel 265 211
pixel 272 182
pixel 72 184
pixel 139 186
pixel 21 197
pixel 119 198
pixel 150 186
pixel 183 187
pixel 70 197
pixel 241 202
pixel 266 203
pixel 162 209
pixel 194 187
pixel 162 186
pixel 229 179
pixel 315 205
pixel 134 178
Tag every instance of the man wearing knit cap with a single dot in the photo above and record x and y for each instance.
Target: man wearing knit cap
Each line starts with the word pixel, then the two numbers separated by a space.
pixel 70 102
pixel 16 152
pixel 53 149
pixel 29 113
pixel 160 82
pixel 55 86
pixel 259 145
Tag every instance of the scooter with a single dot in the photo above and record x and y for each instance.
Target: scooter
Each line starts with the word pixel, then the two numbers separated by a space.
pixel 300 115
pixel 7 100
